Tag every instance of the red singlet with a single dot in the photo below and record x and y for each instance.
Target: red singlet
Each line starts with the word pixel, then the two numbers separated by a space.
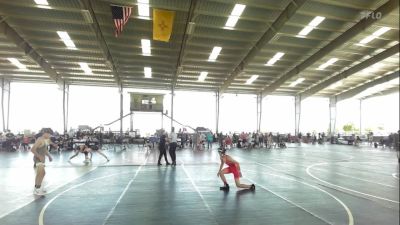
pixel 232 168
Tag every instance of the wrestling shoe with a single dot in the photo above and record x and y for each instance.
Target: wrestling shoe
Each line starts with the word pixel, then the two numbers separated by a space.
pixel 39 191
pixel 253 187
pixel 224 188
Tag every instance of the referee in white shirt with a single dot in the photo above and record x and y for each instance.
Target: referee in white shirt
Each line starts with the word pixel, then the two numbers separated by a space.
pixel 172 145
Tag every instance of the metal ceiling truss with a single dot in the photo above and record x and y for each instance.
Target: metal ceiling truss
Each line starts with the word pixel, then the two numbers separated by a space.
pixel 358 28
pixel 382 93
pixel 353 92
pixel 88 10
pixel 14 37
pixel 379 57
pixel 189 26
pixel 286 14
pixel 177 63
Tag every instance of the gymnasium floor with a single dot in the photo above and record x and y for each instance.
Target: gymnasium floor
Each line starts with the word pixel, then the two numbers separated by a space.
pixel 307 184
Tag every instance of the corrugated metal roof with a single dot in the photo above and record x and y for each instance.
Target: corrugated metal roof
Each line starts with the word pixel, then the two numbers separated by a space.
pixel 38 27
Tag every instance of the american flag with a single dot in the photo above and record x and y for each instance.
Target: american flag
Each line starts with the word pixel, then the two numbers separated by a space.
pixel 120 15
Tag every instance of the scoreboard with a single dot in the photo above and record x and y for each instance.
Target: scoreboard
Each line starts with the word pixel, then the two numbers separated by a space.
pixel 146 102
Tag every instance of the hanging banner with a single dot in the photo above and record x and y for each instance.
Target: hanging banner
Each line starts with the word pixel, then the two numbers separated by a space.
pixel 163 21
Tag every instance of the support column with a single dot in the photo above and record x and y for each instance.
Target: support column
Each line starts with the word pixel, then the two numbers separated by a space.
pixel 297 107
pixel 217 111
pixel 259 112
pixel 67 112
pixel 65 106
pixel 162 120
pixel 5 108
pixel 360 116
pixel 131 122
pixel 332 115
pixel 8 105
pixel 172 105
pixel 121 109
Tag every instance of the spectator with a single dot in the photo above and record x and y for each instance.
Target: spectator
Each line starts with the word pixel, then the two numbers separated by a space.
pixel 163 151
pixel 209 140
pixel 172 145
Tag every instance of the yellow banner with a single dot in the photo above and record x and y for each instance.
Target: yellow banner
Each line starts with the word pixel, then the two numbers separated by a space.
pixel 163 21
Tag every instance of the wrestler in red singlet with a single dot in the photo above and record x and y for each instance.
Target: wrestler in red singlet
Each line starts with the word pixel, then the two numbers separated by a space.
pixel 233 167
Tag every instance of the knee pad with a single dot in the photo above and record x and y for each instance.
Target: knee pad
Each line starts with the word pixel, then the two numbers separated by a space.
pixel 86 153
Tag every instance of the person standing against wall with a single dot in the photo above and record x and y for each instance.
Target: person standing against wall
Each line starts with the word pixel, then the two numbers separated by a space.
pixel 172 145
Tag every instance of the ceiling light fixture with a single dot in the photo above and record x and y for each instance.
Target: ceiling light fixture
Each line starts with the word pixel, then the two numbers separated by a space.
pixel 17 63
pixel 234 17
pixel 143 9
pixel 85 68
pixel 337 84
pixel 202 76
pixel 147 72
pixel 328 63
pixel 66 39
pixel 276 57
pixel 42 4
pixel 146 47
pixel 311 26
pixel 214 53
pixel 374 35
pixel 296 82
pixel 252 79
